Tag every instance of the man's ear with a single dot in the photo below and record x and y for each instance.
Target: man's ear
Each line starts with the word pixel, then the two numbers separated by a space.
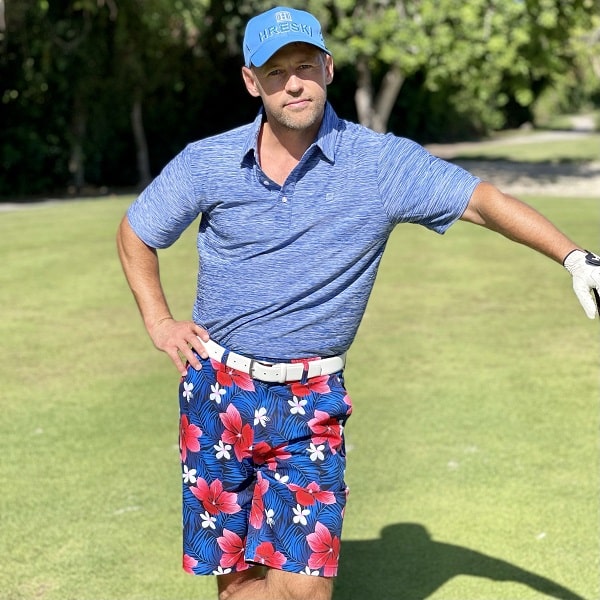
pixel 250 82
pixel 329 70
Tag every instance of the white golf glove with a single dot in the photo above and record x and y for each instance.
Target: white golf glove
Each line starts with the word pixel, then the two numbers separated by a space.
pixel 584 267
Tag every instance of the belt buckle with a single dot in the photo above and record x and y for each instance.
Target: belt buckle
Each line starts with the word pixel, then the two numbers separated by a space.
pixel 269 372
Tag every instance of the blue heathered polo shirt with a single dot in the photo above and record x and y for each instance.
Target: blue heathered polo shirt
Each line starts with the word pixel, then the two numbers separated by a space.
pixel 286 271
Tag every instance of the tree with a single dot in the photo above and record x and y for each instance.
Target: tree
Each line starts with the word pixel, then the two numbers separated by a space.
pixel 485 53
pixel 151 40
pixel 104 92
pixel 27 80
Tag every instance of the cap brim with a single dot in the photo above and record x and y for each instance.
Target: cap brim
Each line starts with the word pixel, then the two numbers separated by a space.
pixel 270 47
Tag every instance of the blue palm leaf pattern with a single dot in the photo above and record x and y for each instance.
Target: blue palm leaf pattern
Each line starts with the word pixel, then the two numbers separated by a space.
pixel 289 440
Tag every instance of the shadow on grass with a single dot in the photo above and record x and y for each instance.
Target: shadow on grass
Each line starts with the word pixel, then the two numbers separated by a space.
pixel 405 563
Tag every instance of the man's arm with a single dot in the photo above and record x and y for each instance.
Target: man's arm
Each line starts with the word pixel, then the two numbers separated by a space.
pixel 521 223
pixel 517 221
pixel 141 268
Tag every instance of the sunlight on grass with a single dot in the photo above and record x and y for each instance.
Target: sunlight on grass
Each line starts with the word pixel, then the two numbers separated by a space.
pixel 584 148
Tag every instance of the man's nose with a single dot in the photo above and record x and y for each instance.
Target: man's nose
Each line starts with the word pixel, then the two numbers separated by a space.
pixel 294 83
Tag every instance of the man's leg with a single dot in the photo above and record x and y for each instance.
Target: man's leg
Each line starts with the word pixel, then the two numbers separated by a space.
pixel 299 498
pixel 232 582
pixel 274 585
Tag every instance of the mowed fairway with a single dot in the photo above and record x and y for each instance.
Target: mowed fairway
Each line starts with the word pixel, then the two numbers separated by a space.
pixel 473 448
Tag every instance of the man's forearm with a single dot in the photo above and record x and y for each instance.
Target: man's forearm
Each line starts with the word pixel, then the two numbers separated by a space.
pixel 180 340
pixel 141 268
pixel 517 221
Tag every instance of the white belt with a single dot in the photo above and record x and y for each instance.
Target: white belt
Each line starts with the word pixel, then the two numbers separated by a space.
pixel 277 372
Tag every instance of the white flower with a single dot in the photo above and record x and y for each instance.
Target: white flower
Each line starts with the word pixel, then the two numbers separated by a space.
pixel 281 478
pixel 216 393
pixel 297 406
pixel 307 571
pixel 221 571
pixel 300 514
pixel 260 416
pixel 270 514
pixel 189 475
pixel 316 452
pixel 208 520
pixel 187 390
pixel 222 450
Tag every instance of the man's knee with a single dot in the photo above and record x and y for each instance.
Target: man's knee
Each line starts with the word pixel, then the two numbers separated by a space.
pixel 293 586
pixel 229 585
pixel 275 585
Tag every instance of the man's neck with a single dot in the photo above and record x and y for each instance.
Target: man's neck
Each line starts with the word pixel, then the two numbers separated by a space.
pixel 294 142
pixel 281 149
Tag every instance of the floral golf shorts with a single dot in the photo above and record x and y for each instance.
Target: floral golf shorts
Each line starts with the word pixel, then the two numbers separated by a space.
pixel 263 472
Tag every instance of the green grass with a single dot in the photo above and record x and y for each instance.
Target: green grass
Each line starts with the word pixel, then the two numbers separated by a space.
pixel 559 121
pixel 473 461
pixel 580 149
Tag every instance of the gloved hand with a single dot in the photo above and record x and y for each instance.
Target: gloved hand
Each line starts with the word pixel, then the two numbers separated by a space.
pixel 584 267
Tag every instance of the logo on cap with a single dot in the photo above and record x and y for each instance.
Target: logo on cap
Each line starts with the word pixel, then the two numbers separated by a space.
pixel 283 15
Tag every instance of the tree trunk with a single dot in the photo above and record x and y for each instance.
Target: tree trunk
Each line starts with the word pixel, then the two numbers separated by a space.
pixel 363 97
pixel 386 98
pixel 141 145
pixel 375 112
pixel 77 158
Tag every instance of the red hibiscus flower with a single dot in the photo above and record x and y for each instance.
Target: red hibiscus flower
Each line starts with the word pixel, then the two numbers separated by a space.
pixel 258 506
pixel 326 429
pixel 188 437
pixel 326 550
pixel 189 563
pixel 263 453
pixel 233 547
pixel 214 498
pixel 266 555
pixel 315 384
pixel 311 493
pixel 227 376
pixel 348 403
pixel 240 437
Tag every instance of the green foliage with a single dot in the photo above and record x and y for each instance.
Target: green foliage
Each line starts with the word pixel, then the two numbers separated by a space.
pixel 578 88
pixel 73 71
pixel 486 59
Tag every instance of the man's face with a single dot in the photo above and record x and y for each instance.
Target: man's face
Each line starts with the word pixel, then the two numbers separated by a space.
pixel 292 85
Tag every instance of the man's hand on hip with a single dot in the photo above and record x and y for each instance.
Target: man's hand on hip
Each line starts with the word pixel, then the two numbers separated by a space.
pixel 179 339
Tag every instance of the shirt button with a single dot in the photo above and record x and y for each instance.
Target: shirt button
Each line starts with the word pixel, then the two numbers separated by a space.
pixel 266 182
pixel 284 199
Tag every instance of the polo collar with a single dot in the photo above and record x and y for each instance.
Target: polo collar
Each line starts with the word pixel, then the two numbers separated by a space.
pixel 326 138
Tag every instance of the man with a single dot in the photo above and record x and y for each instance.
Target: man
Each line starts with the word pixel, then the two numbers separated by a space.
pixel 296 211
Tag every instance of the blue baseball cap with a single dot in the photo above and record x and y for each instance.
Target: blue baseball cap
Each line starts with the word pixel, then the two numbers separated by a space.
pixel 270 31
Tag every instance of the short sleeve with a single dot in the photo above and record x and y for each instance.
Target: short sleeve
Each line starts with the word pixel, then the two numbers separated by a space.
pixel 417 187
pixel 169 204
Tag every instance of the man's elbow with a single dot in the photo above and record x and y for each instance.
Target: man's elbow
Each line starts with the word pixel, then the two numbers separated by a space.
pixel 484 201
